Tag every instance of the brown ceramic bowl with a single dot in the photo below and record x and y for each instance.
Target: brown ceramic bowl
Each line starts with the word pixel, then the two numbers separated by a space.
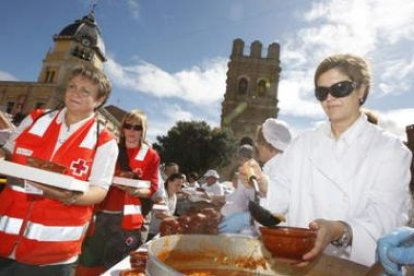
pixel 289 243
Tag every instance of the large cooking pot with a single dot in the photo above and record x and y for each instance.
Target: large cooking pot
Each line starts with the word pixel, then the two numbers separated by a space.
pixel 231 255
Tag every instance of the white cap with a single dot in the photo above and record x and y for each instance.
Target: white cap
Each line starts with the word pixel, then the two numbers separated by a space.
pixel 213 173
pixel 276 133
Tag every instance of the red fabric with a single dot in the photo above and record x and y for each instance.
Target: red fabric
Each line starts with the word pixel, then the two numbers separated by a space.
pixel 146 169
pixel 38 209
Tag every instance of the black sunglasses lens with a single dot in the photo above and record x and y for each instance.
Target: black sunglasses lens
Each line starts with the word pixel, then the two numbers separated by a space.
pixel 137 127
pixel 338 90
pixel 321 93
pixel 134 127
pixel 342 89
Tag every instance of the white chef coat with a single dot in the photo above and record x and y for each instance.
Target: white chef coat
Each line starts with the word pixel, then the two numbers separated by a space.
pixel 270 169
pixel 361 178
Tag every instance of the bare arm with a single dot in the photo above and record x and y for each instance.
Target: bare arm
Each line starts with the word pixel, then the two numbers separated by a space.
pixel 93 196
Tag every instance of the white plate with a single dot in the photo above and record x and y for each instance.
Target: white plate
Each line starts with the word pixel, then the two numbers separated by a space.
pixel 160 207
pixel 198 198
pixel 42 176
pixel 131 182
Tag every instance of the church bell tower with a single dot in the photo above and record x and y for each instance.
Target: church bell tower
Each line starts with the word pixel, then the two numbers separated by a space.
pixel 251 88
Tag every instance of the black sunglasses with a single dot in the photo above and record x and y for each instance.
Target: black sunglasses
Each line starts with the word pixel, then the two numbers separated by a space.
pixel 133 127
pixel 338 90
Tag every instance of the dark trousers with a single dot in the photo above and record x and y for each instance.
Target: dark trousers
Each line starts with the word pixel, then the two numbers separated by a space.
pixel 110 243
pixel 9 267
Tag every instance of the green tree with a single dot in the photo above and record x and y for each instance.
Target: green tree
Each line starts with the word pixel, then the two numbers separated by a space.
pixel 195 146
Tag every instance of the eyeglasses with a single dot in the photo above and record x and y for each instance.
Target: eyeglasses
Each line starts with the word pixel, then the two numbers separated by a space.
pixel 338 90
pixel 81 91
pixel 133 127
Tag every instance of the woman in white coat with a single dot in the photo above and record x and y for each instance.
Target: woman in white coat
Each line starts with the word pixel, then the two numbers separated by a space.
pixel 348 178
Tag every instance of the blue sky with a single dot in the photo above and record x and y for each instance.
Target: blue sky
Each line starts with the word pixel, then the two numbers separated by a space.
pixel 169 58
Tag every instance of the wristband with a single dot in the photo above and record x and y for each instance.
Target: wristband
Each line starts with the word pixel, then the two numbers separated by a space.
pixel 346 238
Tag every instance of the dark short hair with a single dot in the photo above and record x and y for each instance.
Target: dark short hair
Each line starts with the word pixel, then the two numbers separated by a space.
pixel 193 175
pixel 173 177
pixel 246 151
pixel 170 164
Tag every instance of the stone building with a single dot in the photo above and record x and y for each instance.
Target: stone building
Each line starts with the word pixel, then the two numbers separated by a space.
pixel 251 88
pixel 78 42
pixel 251 93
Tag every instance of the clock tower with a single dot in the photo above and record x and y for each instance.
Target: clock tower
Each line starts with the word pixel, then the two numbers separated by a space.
pixel 251 89
pixel 79 42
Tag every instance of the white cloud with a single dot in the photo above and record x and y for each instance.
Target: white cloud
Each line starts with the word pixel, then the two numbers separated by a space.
pixel 362 27
pixel 170 114
pixel 4 76
pixel 396 76
pixel 199 84
pixel 396 121
pixel 371 28
pixel 296 96
pixel 133 8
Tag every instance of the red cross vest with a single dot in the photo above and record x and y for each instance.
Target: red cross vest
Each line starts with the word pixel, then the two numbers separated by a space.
pixel 40 230
pixel 146 164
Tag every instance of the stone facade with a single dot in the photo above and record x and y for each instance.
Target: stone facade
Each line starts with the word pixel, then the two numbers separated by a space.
pixel 251 88
pixel 251 93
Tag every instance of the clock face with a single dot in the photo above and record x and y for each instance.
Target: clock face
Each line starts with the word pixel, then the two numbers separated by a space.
pixel 86 42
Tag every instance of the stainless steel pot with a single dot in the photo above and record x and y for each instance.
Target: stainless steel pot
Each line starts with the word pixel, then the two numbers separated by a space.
pixel 205 252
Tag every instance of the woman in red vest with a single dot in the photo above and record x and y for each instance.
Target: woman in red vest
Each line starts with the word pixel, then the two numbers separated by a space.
pixel 42 227
pixel 119 219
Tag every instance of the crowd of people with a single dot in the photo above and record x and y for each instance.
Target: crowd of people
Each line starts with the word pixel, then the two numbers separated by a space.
pixel 348 179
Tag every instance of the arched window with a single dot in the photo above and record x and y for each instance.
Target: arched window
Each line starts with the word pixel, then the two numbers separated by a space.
pixel 246 141
pixel 243 85
pixel 262 88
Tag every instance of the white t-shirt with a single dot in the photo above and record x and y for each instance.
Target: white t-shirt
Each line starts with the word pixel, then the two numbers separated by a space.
pixel 155 222
pixel 214 189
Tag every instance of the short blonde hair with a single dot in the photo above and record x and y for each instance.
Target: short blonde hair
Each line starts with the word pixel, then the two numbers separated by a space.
pixel 96 76
pixel 356 68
